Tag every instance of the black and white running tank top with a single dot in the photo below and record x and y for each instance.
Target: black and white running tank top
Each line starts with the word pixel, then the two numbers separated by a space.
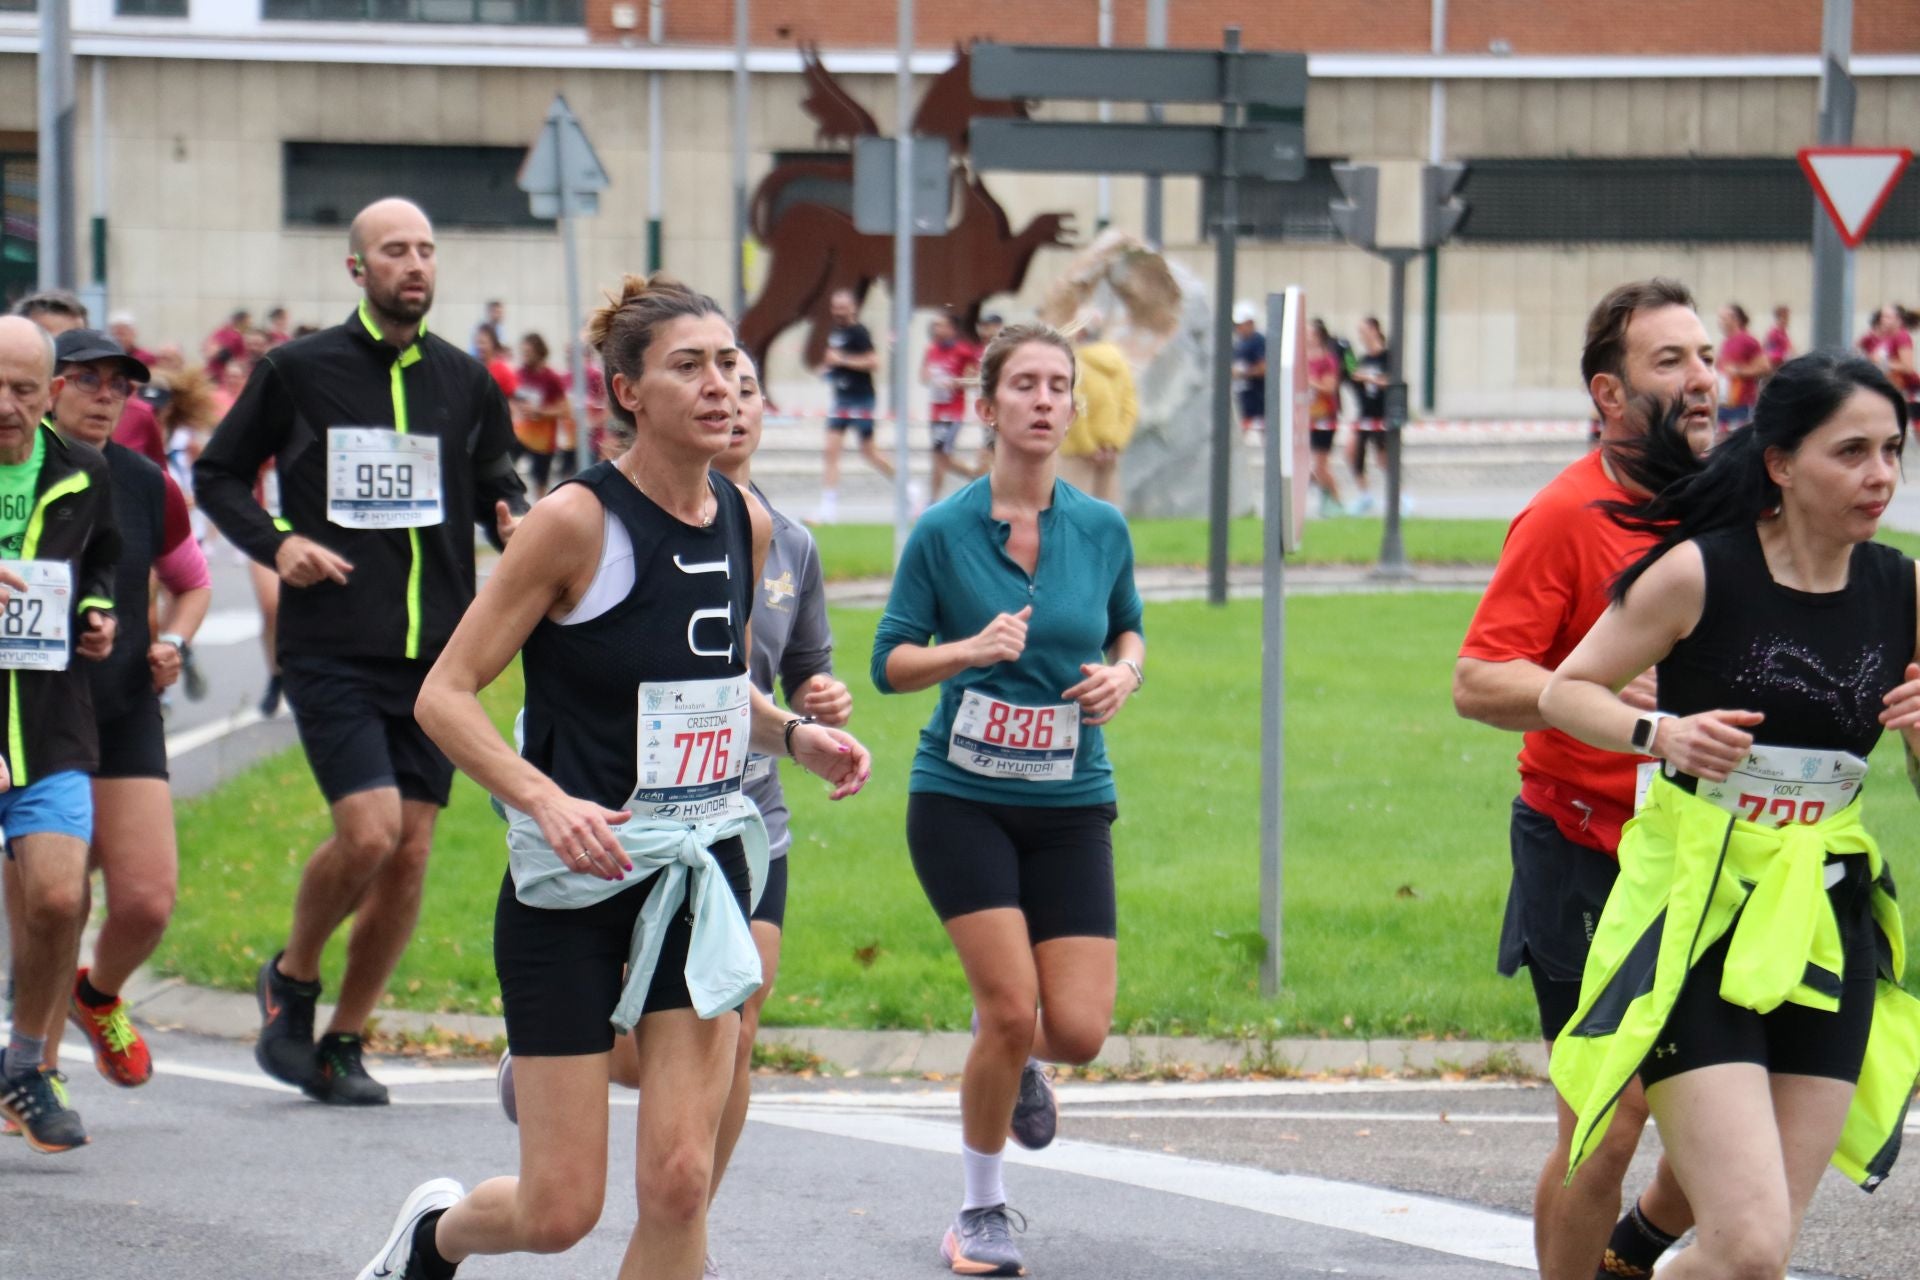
pixel 683 620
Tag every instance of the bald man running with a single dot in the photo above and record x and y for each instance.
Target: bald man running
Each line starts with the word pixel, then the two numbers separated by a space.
pixel 391 445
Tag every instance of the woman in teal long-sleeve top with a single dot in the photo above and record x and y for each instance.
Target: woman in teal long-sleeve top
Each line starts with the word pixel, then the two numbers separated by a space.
pixel 1025 586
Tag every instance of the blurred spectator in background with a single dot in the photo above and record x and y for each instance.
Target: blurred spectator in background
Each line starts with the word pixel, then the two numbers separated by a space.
pixel 494 318
pixel 949 361
pixel 54 310
pixel 1324 376
pixel 122 329
pixel 227 343
pixel 1369 376
pixel 1249 368
pixel 1779 343
pixel 539 403
pixel 1743 367
pixel 278 335
pixel 491 352
pixel 1107 412
pixel 1889 344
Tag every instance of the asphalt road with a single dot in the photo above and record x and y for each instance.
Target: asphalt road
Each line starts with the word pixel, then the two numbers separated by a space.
pixel 213 1172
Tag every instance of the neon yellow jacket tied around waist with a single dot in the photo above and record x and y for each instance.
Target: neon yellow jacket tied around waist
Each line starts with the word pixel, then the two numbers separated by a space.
pixel 1689 872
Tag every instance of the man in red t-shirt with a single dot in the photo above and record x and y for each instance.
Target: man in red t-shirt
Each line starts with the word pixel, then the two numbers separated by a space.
pixel 949 362
pixel 1645 352
pixel 1743 364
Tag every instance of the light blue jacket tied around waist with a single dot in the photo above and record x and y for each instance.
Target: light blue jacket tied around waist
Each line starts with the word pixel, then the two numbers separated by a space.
pixel 723 965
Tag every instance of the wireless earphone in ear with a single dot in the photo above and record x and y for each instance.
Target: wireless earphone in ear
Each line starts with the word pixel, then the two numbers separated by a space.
pixel 359 266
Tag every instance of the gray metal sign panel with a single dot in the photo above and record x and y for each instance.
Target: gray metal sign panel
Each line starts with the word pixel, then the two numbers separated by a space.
pixel 873 194
pixel 1277 152
pixel 560 159
pixel 1136 75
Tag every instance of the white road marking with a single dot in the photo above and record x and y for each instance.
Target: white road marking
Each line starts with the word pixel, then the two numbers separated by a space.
pixel 1072 1094
pixel 186 740
pixel 1421 1221
pixel 391 1076
pixel 228 626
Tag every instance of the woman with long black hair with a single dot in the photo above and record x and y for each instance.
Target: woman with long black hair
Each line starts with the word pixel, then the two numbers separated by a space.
pixel 1751 944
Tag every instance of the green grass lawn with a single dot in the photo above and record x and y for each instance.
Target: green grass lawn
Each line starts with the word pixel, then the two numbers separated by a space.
pixel 1396 858
pixel 866 550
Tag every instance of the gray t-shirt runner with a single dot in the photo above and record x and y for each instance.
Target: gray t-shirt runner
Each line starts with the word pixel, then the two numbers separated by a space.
pixel 791 639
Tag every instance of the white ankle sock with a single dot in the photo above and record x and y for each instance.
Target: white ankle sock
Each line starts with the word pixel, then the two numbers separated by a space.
pixel 984 1186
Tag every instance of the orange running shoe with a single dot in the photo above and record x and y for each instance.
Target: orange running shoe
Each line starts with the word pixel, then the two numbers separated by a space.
pixel 118 1051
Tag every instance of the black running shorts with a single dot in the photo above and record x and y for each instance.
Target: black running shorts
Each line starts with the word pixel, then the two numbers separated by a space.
pixel 134 743
pixel 1054 864
pixel 1705 1031
pixel 1320 439
pixel 772 907
pixel 561 969
pixel 1554 902
pixel 355 717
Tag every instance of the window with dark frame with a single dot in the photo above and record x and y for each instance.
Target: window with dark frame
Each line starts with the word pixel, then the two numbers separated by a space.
pixel 326 183
pixel 478 12
pixel 150 8
pixel 1563 200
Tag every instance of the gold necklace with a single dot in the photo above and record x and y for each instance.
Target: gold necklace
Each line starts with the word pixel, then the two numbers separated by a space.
pixel 634 480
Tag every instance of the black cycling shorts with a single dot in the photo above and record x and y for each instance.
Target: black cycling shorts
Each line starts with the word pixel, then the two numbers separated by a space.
pixel 1320 439
pixel 1554 902
pixel 772 907
pixel 561 968
pixel 1054 864
pixel 133 744
pixel 355 717
pixel 1705 1031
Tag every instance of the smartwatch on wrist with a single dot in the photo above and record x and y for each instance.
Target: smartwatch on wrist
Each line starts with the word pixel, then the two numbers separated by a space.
pixel 1646 728
pixel 168 637
pixel 1139 676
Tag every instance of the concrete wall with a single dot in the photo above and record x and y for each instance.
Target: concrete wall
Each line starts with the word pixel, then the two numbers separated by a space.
pixel 196 218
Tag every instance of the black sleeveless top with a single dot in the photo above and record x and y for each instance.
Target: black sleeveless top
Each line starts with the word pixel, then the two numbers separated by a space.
pixel 123 680
pixel 1814 663
pixel 684 619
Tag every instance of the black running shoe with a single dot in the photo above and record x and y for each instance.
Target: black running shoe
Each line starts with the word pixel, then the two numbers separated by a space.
pixel 270 700
pixel 38 1105
pixel 339 1079
pixel 285 1047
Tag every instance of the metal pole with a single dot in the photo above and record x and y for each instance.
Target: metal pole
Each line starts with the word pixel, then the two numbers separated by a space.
pixel 1393 555
pixel 1103 185
pixel 570 255
pixel 97 82
pixel 1282 324
pixel 58 266
pixel 902 279
pixel 739 157
pixel 1226 231
pixel 656 141
pixel 1156 39
pixel 1832 261
pixel 1436 152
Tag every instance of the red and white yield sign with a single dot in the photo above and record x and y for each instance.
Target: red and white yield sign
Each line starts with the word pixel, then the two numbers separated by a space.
pixel 1854 183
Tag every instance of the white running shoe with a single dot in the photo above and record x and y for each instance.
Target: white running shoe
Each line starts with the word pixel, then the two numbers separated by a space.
pixel 391 1262
pixel 710 1270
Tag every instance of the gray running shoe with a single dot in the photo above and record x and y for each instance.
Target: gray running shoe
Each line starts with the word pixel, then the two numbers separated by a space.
pixel 391 1263
pixel 710 1270
pixel 980 1243
pixel 503 1081
pixel 38 1105
pixel 1036 1116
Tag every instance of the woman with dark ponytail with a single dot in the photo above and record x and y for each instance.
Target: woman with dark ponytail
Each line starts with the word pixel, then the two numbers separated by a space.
pixel 1751 946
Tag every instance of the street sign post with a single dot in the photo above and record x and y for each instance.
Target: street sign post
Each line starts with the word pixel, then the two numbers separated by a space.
pixel 1284 510
pixel 1273 148
pixel 563 179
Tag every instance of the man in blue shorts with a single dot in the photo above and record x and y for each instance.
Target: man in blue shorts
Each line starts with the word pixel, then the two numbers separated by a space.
pixel 56 526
